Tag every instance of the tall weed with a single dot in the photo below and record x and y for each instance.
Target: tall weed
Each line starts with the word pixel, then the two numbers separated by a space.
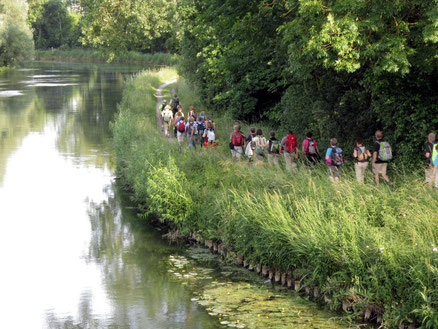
pixel 357 243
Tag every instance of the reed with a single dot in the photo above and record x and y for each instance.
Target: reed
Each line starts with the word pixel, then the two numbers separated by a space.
pixel 94 55
pixel 363 247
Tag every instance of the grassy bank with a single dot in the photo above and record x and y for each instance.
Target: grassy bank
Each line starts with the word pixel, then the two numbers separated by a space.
pixel 89 55
pixel 361 246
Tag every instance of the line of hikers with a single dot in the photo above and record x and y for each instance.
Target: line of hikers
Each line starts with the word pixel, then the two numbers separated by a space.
pixel 200 130
pixel 257 148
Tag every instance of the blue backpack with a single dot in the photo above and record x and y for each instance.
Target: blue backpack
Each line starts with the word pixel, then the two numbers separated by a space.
pixel 200 127
pixel 337 156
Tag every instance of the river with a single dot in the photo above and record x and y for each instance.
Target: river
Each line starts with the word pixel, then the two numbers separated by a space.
pixel 73 252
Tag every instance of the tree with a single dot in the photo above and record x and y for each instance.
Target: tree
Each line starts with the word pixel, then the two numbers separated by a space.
pixel 16 44
pixel 53 25
pixel 341 68
pixel 119 26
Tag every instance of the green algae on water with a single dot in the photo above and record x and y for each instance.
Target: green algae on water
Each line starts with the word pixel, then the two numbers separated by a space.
pixel 240 301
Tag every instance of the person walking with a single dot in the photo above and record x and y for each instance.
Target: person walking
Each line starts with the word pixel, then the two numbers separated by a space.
pixel 289 147
pixel 250 145
pixel 190 132
pixel 192 112
pixel 310 150
pixel 178 115
pixel 274 150
pixel 200 129
pixel 382 154
pixel 167 119
pixel 174 104
pixel 334 158
pixel 209 135
pixel 261 147
pixel 163 105
pixel 181 129
pixel 361 157
pixel 428 151
pixel 237 143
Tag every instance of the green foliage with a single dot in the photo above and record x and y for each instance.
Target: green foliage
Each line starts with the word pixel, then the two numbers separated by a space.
pixel 355 242
pixel 53 25
pixel 16 44
pixel 86 55
pixel 119 26
pixel 340 68
pixel 167 195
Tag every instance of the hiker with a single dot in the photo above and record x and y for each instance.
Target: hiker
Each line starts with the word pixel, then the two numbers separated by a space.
pixel 174 104
pixel 274 150
pixel 250 145
pixel 167 119
pixel 200 129
pixel 289 147
pixel 181 129
pixel 361 157
pixel 237 143
pixel 208 119
pixel 163 105
pixel 334 158
pixel 310 150
pixel 209 135
pixel 178 114
pixel 382 154
pixel 428 151
pixel 192 112
pixel 190 132
pixel 160 113
pixel 261 147
pixel 435 166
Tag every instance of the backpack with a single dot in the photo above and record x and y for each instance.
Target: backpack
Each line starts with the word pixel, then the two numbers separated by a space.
pixel 167 115
pixel 385 151
pixel 291 143
pixel 311 146
pixel 200 127
pixel 337 156
pixel 260 150
pixel 362 156
pixel 211 136
pixel 275 147
pixel 181 127
pixel 237 139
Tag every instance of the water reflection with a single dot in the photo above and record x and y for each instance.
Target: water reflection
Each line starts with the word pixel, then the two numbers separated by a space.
pixel 71 258
pixel 133 260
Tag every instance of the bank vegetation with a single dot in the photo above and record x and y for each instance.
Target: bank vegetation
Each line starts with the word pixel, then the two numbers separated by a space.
pixel 375 251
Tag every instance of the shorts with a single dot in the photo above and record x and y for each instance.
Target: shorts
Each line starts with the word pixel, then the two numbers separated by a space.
pixel 380 168
pixel 180 137
pixel 237 152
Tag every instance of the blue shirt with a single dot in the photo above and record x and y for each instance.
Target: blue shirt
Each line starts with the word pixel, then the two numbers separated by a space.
pixel 329 152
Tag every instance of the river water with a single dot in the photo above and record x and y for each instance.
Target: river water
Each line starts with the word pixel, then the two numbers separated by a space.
pixel 73 252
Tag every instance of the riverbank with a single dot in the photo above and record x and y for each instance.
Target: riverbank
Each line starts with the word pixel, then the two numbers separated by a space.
pixel 368 251
pixel 89 55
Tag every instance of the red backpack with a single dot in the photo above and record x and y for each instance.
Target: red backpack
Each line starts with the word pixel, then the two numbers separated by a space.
pixel 181 127
pixel 291 143
pixel 237 139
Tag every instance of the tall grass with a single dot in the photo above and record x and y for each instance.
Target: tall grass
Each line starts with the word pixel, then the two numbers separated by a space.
pixel 357 243
pixel 92 55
